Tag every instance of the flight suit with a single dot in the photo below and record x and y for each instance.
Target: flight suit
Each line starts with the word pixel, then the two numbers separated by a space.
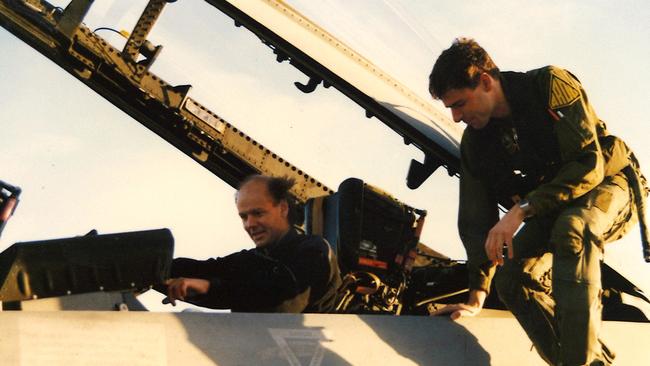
pixel 554 152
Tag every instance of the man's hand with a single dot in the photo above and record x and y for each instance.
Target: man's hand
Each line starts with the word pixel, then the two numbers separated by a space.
pixel 471 308
pixel 458 311
pixel 502 233
pixel 180 288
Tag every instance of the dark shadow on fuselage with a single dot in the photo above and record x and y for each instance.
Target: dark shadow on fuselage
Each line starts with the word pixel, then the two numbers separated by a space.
pixel 284 339
pixel 259 339
pixel 435 341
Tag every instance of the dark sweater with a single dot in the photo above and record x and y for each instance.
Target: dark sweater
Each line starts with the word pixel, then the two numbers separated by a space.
pixel 296 274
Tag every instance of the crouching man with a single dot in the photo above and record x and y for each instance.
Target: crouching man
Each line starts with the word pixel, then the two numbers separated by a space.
pixel 534 143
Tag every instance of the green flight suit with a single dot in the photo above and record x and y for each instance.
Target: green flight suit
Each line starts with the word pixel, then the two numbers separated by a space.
pixel 556 153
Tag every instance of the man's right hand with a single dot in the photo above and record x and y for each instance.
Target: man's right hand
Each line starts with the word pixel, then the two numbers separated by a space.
pixel 180 288
pixel 471 308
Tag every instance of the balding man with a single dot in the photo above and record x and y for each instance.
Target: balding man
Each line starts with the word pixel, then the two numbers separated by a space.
pixel 285 272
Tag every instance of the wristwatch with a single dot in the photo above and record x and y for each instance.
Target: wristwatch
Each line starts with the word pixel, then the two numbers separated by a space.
pixel 527 208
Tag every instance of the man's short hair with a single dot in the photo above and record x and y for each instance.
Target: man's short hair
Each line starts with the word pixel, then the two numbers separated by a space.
pixel 460 66
pixel 279 189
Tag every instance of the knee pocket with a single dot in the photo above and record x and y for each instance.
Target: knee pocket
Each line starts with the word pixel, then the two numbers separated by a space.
pixel 568 236
pixel 577 252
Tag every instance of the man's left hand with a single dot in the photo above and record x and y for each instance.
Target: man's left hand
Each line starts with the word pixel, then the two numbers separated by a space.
pixel 502 233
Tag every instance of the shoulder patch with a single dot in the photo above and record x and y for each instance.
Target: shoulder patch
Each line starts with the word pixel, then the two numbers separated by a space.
pixel 562 93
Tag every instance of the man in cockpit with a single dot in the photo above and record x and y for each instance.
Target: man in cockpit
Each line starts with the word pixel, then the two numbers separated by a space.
pixel 286 271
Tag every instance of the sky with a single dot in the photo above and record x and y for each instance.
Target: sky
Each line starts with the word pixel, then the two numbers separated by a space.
pixel 83 164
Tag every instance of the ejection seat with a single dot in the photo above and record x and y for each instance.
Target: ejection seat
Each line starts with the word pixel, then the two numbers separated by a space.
pixel 367 228
pixel 373 236
pixel 376 240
